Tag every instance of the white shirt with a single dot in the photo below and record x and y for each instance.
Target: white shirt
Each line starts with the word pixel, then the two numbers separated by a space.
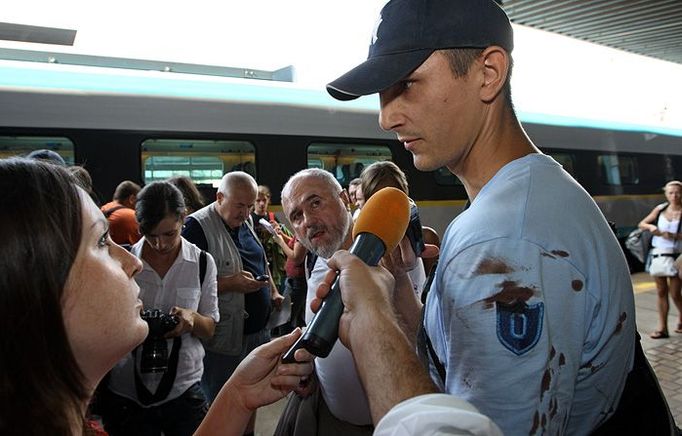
pixel 666 245
pixel 179 287
pixel 435 414
pixel 339 381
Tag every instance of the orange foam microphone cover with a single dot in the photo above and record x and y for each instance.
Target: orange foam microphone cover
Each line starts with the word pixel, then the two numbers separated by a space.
pixel 386 215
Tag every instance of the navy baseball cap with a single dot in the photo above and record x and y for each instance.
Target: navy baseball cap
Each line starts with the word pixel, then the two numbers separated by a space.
pixel 47 156
pixel 408 31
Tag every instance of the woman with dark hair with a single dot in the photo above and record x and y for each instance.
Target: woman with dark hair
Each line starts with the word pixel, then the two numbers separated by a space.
pixel 385 174
pixel 148 398
pixel 71 310
pixel 193 198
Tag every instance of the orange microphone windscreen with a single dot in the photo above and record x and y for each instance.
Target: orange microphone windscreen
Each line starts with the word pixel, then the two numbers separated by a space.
pixel 385 215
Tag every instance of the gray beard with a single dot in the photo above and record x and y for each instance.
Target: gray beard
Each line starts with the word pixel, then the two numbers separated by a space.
pixel 328 251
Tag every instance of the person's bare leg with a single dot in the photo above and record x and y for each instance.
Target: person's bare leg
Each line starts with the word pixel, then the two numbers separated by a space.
pixel 663 307
pixel 675 285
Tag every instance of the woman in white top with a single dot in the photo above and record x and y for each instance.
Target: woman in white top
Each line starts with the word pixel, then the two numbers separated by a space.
pixel 666 247
pixel 144 398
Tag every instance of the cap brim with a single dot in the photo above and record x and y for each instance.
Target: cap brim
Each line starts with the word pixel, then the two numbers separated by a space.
pixel 376 74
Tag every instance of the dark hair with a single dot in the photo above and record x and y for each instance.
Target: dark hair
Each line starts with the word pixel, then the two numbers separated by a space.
pixel 41 383
pixel 125 189
pixel 193 198
pixel 380 175
pixel 461 59
pixel 155 202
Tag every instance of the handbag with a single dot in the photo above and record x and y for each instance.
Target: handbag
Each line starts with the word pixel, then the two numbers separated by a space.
pixel 663 266
pixel 638 243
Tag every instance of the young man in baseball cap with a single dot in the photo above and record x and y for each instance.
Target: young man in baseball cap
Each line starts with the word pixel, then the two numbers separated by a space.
pixel 531 314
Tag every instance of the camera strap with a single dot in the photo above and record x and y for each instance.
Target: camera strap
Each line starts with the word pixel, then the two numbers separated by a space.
pixel 167 379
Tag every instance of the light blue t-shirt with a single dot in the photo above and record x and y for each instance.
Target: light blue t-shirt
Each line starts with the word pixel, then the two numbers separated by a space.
pixel 532 310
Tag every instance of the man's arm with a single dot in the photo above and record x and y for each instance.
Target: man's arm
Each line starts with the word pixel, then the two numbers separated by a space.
pixel 407 305
pixel 192 322
pixel 242 282
pixel 388 366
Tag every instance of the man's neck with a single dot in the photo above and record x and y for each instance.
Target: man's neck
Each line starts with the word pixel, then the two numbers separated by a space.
pixel 495 148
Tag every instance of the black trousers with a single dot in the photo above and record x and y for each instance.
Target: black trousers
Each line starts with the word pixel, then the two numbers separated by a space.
pixel 178 417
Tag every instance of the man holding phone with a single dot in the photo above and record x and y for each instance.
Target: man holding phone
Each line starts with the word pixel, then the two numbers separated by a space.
pixel 245 291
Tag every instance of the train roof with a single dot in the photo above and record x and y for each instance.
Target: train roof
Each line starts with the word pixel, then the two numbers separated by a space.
pixel 66 96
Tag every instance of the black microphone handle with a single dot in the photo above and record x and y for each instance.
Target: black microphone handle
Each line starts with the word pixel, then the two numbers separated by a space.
pixel 323 330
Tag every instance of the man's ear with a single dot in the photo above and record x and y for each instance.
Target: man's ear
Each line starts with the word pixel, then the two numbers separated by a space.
pixel 219 196
pixel 495 67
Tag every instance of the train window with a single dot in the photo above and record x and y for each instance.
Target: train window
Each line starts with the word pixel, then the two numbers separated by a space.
pixel 204 161
pixel 23 145
pixel 444 177
pixel 345 161
pixel 618 170
pixel 565 160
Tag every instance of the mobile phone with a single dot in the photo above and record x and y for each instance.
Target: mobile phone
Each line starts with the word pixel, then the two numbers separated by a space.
pixel 414 231
pixel 263 278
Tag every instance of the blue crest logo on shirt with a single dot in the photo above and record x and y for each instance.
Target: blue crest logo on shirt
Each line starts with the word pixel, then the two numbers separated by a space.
pixel 519 325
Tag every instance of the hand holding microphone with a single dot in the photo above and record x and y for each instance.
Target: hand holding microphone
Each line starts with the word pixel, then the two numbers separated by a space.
pixel 378 229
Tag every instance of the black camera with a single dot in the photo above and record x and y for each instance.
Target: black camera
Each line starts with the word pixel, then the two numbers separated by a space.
pixel 155 348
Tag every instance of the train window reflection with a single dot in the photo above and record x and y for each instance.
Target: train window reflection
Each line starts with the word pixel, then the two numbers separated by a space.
pixel 22 145
pixel 444 177
pixel 204 161
pixel 565 160
pixel 345 161
pixel 618 170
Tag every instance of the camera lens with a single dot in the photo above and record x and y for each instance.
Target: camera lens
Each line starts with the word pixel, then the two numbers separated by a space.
pixel 155 348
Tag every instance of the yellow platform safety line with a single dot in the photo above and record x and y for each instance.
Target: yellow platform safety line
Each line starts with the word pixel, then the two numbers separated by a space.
pixel 644 286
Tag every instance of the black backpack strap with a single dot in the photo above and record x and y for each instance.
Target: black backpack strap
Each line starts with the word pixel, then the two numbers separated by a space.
pixel 310 259
pixel 424 346
pixel 202 267
pixel 425 350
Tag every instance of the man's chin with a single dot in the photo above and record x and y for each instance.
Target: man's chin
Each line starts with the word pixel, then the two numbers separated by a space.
pixel 423 164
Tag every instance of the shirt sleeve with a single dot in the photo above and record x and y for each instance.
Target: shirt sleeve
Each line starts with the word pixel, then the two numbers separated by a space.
pixel 208 304
pixel 193 232
pixel 435 414
pixel 508 304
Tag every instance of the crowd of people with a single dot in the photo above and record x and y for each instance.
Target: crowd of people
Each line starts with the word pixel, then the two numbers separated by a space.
pixel 153 311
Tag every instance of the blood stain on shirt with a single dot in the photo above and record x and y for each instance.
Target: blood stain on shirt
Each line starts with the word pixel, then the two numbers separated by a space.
pixel 536 423
pixel 621 320
pixel 546 380
pixel 511 293
pixel 492 265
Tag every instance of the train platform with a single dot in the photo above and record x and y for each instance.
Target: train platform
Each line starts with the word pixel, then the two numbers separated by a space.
pixel 665 355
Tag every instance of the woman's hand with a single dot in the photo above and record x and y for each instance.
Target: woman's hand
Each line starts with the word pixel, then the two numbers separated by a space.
pixel 260 379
